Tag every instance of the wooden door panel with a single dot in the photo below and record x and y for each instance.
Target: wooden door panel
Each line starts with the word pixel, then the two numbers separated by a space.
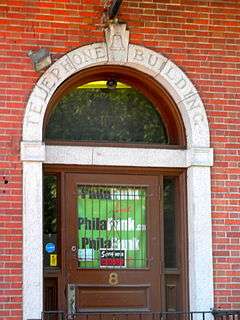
pixel 136 288
pixel 117 298
pixel 119 316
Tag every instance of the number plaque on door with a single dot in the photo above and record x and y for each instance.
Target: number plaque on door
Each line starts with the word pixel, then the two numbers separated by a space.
pixel 113 279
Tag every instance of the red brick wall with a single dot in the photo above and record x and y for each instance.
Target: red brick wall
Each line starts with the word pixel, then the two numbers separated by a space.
pixel 202 37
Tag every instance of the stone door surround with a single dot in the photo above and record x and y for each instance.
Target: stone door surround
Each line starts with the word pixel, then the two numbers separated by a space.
pixel 197 159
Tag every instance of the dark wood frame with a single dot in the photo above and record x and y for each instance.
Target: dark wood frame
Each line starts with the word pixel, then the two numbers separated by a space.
pixel 173 277
pixel 142 82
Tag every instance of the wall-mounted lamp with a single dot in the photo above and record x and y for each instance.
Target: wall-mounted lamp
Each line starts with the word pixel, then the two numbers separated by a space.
pixel 41 59
pixel 111 84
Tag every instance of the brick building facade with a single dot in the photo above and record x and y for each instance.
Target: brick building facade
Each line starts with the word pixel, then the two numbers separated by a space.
pixel 201 37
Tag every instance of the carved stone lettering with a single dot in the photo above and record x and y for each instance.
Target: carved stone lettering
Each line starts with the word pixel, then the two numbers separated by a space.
pixel 67 65
pixel 117 50
pixel 138 56
pixel 100 53
pixel 35 107
pixel 181 83
pixel 199 128
pixel 42 93
pixel 150 61
pixel 193 102
pixel 178 80
pixel 88 55
pixel 47 84
pixel 198 118
pixel 85 57
pixel 39 94
pixel 117 40
pixel 194 111
pixel 52 78
pixel 56 73
pixel 77 59
pixel 33 118
pixel 170 73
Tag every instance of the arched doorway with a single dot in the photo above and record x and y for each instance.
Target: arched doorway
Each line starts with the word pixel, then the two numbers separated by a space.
pixel 137 214
pixel 196 158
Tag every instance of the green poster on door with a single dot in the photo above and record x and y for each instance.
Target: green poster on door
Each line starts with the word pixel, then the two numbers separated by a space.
pixel 112 227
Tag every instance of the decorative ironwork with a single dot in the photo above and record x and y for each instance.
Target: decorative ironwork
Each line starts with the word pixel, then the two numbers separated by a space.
pixel 171 315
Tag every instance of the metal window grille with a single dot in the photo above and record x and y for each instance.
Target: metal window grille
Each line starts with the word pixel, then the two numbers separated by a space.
pixel 112 228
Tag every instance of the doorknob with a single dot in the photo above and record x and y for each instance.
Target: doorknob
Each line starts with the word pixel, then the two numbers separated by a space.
pixel 74 248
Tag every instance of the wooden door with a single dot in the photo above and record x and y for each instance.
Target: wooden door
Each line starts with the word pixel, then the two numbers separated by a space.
pixel 114 243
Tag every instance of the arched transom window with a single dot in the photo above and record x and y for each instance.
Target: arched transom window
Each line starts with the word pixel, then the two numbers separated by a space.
pixel 106 111
pixel 113 108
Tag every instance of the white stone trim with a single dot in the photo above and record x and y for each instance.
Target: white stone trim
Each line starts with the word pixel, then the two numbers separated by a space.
pixel 197 159
pixel 136 157
pixel 200 239
pixel 33 151
pixel 32 241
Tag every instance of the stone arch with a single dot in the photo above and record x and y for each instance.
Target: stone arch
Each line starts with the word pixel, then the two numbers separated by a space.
pixel 197 159
pixel 163 70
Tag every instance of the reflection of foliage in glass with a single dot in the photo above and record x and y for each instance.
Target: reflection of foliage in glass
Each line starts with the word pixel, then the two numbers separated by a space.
pixel 169 223
pixel 50 204
pixel 120 115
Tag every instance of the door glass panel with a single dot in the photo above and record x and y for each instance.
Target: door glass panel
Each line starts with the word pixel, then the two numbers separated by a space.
pixel 170 223
pixel 50 222
pixel 112 227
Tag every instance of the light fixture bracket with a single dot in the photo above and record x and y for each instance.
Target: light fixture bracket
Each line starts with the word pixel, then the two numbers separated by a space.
pixel 114 9
pixel 41 59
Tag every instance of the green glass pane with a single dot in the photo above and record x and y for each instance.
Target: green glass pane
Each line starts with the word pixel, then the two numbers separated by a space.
pixel 111 227
pixel 121 115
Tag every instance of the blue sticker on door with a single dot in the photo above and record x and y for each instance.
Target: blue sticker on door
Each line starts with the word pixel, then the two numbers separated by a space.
pixel 50 247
